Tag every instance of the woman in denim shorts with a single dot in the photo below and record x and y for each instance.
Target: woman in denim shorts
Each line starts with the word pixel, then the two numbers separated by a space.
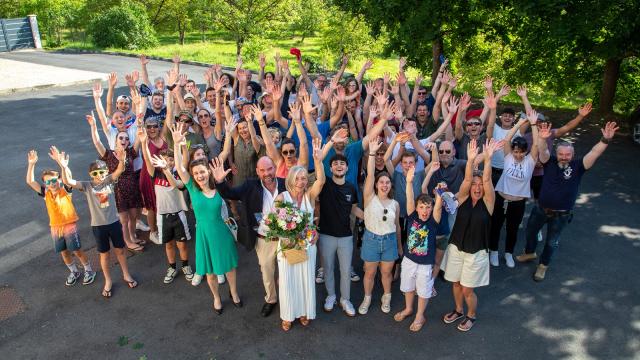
pixel 381 242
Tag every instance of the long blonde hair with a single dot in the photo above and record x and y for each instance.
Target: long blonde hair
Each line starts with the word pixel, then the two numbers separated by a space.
pixel 290 181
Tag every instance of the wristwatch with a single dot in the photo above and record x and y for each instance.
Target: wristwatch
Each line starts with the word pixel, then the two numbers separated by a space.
pixel 604 140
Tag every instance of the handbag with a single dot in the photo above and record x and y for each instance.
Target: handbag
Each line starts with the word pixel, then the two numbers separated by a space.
pixel 295 256
pixel 229 221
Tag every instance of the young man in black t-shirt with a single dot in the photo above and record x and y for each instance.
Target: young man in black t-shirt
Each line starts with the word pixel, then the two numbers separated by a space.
pixel 338 200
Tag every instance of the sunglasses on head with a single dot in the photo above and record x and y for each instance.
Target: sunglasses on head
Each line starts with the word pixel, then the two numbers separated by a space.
pixel 288 152
pixel 197 146
pixel 95 173
pixel 152 126
pixel 385 212
pixel 444 151
pixel 51 181
pixel 473 123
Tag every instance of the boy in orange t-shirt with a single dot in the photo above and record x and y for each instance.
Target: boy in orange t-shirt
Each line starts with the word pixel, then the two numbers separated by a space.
pixel 62 219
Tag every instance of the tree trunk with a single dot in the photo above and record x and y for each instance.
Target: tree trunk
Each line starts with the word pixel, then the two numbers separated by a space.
pixel 609 82
pixel 437 49
pixel 239 44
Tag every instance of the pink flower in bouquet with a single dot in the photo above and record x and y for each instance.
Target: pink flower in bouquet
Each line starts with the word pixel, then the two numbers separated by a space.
pixel 291 226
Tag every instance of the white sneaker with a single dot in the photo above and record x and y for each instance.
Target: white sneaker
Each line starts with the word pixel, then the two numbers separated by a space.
pixel 364 306
pixel 197 279
pixel 153 236
pixel 354 277
pixel 540 236
pixel 221 279
pixel 188 273
pixel 329 303
pixel 320 276
pixel 171 274
pixel 142 226
pixel 347 307
pixel 386 303
pixel 509 258
pixel 493 258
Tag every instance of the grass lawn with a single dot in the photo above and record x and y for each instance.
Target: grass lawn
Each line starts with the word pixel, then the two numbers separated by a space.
pixel 220 49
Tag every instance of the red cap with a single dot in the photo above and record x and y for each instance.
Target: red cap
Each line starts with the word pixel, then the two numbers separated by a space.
pixel 296 53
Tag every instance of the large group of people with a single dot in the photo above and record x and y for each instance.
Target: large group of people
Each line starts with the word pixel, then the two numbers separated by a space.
pixel 416 181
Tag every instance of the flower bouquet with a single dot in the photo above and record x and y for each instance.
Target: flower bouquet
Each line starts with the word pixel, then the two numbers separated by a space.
pixel 293 228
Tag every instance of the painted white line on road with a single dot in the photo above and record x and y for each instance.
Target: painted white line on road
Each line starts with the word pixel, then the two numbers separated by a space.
pixel 20 234
pixel 17 257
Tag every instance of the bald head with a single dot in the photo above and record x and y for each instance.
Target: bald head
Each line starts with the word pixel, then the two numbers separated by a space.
pixel 446 152
pixel 266 170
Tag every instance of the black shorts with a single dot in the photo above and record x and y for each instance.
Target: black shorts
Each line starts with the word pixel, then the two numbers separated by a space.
pixel 104 233
pixel 173 227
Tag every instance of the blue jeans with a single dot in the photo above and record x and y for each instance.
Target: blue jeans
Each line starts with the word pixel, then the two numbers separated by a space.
pixel 555 223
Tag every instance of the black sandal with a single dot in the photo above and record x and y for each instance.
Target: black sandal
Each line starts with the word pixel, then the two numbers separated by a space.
pixel 132 284
pixel 106 293
pixel 463 325
pixel 447 317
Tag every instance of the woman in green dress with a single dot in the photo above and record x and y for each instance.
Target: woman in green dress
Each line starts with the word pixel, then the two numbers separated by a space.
pixel 216 252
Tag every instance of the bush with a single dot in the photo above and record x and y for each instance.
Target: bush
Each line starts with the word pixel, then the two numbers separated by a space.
pixel 126 26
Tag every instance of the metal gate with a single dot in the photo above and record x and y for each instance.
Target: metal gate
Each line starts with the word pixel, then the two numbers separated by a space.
pixel 15 34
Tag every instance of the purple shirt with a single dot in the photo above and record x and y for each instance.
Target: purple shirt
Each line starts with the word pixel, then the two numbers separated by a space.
pixel 539 169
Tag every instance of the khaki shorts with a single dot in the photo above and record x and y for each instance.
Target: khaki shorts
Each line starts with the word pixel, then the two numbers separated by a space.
pixel 470 270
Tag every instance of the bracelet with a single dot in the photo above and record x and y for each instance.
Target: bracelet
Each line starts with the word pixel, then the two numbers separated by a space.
pixel 604 140
pixel 372 154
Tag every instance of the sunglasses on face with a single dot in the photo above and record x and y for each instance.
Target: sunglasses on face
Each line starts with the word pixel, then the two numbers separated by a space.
pixel 186 121
pixel 379 154
pixel 123 138
pixel 203 116
pixel 444 151
pixel 152 126
pixel 422 93
pixel 385 212
pixel 288 152
pixel 96 173
pixel 51 181
pixel 473 124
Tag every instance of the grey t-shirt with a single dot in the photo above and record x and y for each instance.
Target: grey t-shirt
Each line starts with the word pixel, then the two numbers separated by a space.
pixel 102 201
pixel 400 189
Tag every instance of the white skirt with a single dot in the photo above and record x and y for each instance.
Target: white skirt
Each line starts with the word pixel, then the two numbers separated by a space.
pixel 297 287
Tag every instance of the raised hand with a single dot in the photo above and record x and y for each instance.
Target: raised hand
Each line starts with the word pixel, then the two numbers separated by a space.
pixel 97 89
pixel 373 112
pixel 262 60
pixel 435 165
pixel 453 82
pixel 32 157
pixel 302 90
pixel 403 137
pixel 143 60
pixel 345 59
pixel 369 87
pixel 142 134
pixel 443 66
pixel 402 62
pixel 381 98
pixel 91 120
pixel 472 150
pixel 609 130
pixel 218 84
pixel 257 114
pixel 488 83
pixel 490 100
pixel 367 64
pixel 307 106
pixel 113 79
pixel 465 102
pixel 446 76
pixel 176 59
pixel 158 161
pixel 521 90
pixel 177 134
pixel 401 79
pixel 585 109
pixel 129 79
pixel 217 170
pixel 63 159
pixel 231 125
pixel 239 62
pixel 386 77
pixel 410 174
pixel 324 95
pixel 504 91
pixel 544 130
pixel 54 154
pixel 120 154
pixel 374 145
pixel 182 79
pixel 453 105
pixel 419 79
pixel 532 116
pixel 491 146
pixel 294 112
pixel 317 149
pixel 172 77
pixel 395 89
pixel 276 92
pixel 340 135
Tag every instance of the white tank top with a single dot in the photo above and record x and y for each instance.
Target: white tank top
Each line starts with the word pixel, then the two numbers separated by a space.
pixel 374 213
pixel 304 206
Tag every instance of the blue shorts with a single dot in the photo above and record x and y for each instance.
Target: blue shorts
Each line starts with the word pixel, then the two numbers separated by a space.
pixel 65 238
pixel 376 248
pixel 104 233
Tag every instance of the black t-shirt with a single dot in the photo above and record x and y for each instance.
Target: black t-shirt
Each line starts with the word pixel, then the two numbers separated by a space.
pixel 471 230
pixel 335 206
pixel 560 185
pixel 420 246
pixel 159 117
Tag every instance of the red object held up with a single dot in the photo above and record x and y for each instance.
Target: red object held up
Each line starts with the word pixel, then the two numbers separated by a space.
pixel 296 52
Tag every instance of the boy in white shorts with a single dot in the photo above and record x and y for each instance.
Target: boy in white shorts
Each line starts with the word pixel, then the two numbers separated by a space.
pixel 423 218
pixel 173 229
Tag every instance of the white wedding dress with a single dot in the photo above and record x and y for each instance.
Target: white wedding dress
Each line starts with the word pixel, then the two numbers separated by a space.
pixel 297 287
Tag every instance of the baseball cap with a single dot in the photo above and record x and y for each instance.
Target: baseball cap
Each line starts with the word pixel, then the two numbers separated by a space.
pixel 123 98
pixel 189 96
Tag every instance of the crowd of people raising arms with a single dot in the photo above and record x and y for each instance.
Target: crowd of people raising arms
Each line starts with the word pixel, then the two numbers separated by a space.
pixel 416 181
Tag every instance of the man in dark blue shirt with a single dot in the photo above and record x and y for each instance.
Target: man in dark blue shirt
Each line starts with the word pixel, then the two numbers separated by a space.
pixel 560 185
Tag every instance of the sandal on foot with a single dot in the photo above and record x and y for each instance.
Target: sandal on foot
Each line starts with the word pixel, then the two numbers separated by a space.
pixel 452 317
pixel 132 284
pixel 137 248
pixel 415 327
pixel 400 316
pixel 286 325
pixel 106 293
pixel 304 321
pixel 466 324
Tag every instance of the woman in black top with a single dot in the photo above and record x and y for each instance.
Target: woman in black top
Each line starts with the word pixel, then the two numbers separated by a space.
pixel 466 261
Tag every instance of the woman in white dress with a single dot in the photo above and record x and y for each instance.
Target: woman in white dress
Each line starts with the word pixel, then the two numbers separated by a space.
pixel 297 287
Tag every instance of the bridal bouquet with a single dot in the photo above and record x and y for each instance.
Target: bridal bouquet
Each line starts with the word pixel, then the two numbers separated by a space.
pixel 293 228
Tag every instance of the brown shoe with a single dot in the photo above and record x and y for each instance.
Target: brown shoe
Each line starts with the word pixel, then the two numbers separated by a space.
pixel 304 321
pixel 540 273
pixel 526 257
pixel 286 325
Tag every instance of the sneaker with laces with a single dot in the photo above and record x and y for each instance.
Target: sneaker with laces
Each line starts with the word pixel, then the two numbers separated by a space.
pixel 197 279
pixel 364 306
pixel 188 273
pixel 221 279
pixel 493 258
pixel 89 277
pixel 142 226
pixel 347 307
pixel 386 303
pixel 527 257
pixel 72 278
pixel 329 303
pixel 354 277
pixel 509 259
pixel 171 274
pixel 320 276
pixel 153 236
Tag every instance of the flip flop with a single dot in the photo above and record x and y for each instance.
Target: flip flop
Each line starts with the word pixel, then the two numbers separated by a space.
pixel 415 327
pixel 132 284
pixel 138 248
pixel 448 319
pixel 106 293
pixel 466 324
pixel 400 316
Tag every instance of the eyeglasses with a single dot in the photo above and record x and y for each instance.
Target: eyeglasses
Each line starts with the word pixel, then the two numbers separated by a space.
pixel 379 154
pixel 444 151
pixel 95 173
pixel 186 121
pixel 288 152
pixel 385 212
pixel 473 124
pixel 123 138
pixel 205 115
pixel 422 93
pixel 152 126
pixel 51 181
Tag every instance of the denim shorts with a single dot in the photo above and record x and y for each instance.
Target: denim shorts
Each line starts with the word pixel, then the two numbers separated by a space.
pixel 376 248
pixel 65 238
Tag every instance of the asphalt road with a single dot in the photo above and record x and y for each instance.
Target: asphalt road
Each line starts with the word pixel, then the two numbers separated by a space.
pixel 584 310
